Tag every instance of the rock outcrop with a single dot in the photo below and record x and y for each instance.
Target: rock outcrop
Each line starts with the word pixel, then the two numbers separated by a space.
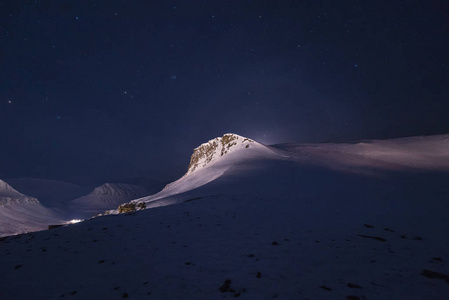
pixel 216 148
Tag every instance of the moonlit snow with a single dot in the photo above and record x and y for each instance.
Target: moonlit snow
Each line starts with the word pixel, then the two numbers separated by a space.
pixel 364 220
pixel 22 213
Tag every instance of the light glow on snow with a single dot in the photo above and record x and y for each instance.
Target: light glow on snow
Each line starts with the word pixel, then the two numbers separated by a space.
pixel 74 221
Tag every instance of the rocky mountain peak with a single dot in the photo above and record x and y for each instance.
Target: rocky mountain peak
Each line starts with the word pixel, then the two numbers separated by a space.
pixel 217 148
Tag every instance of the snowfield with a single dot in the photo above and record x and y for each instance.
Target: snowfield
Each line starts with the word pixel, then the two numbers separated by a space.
pixel 350 221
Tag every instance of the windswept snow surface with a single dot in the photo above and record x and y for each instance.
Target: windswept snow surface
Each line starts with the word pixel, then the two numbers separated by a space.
pixel 272 224
pixel 426 153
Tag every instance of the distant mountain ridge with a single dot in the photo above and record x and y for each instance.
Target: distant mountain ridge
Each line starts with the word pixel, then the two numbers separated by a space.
pixel 109 195
pixel 108 191
pixel 51 193
pixel 8 195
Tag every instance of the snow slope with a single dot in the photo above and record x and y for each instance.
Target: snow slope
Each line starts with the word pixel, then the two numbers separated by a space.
pixel 272 224
pixel 21 213
pixel 424 153
pixel 148 182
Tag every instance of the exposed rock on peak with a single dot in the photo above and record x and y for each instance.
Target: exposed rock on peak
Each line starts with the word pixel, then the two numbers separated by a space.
pixel 216 148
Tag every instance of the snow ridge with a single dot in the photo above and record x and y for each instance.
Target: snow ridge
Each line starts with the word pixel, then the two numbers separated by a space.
pixel 8 195
pixel 109 195
pixel 108 191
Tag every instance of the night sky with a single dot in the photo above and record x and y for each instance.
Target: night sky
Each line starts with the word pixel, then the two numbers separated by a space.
pixel 96 91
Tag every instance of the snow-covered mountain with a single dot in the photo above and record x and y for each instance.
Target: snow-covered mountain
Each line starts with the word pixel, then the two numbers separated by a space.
pixel 287 222
pixel 210 161
pixel 107 196
pixel 8 195
pixel 232 154
pixel 21 213
pixel 51 193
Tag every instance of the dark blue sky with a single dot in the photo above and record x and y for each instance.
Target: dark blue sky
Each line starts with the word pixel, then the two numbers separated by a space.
pixel 95 91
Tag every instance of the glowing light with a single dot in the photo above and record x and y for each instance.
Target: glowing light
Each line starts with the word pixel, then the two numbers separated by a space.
pixel 74 221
